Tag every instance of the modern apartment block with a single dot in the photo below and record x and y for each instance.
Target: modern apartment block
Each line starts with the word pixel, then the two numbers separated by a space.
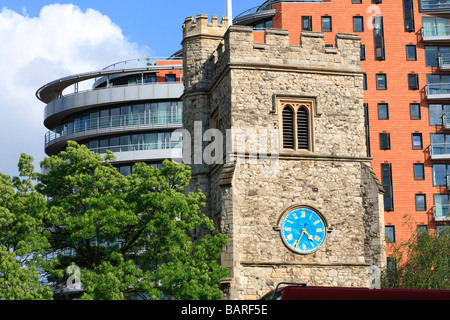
pixel 132 109
pixel 405 54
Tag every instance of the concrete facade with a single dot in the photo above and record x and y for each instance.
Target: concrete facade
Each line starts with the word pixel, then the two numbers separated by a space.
pixel 232 83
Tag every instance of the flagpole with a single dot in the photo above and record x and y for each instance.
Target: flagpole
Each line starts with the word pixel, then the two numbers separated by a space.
pixel 229 12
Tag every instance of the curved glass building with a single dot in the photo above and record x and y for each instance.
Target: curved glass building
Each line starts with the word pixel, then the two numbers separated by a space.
pixel 131 108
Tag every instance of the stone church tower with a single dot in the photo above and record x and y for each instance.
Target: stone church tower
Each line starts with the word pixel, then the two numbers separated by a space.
pixel 296 197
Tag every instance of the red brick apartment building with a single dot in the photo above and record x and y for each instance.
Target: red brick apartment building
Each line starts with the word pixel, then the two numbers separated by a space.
pixel 405 54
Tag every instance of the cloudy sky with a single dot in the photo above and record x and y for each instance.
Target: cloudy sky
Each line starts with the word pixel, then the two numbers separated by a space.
pixel 42 41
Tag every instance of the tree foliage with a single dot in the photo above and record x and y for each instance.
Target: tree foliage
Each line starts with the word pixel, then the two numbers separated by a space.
pixel 22 236
pixel 130 236
pixel 422 262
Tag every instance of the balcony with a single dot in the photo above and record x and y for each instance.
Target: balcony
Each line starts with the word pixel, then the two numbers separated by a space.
pixel 436 33
pixel 444 62
pixel 107 125
pixel 440 151
pixel 441 212
pixel 446 120
pixel 58 109
pixel 434 6
pixel 438 91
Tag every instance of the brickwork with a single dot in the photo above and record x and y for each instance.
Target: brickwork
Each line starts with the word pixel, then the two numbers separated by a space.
pixel 398 96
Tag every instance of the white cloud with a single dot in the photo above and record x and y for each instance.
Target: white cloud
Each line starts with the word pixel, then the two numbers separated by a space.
pixel 61 41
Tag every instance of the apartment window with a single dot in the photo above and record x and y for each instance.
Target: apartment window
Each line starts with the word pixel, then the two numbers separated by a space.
pixel 417 141
pixel 170 77
pixel 390 234
pixel 432 54
pixel 408 15
pixel 419 171
pixel 441 205
pixel 421 202
pixel 438 84
pixel 440 143
pixel 307 23
pixel 378 36
pixel 440 174
pixel 381 81
pixel 358 24
pixel 326 24
pixel 365 81
pixel 296 124
pixel 385 141
pixel 441 228
pixel 362 52
pixel 411 52
pixel 367 128
pixel 436 113
pixel 421 229
pixel 386 181
pixel 356 1
pixel 413 81
pixel 383 111
pixel 414 110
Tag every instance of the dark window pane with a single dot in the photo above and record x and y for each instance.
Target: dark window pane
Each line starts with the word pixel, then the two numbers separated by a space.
pixel 326 24
pixel 358 24
pixel 411 52
pixel 390 234
pixel 381 81
pixel 421 202
pixel 415 111
pixel 383 111
pixel 419 173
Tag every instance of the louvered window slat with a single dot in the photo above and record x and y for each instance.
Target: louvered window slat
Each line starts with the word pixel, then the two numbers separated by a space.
pixel 302 128
pixel 288 128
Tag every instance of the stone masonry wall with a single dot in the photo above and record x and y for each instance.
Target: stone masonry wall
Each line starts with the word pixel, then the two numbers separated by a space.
pixel 242 82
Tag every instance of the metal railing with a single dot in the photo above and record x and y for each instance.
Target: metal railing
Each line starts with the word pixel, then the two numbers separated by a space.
pixel 164 145
pixel 444 61
pixel 107 124
pixel 139 63
pixel 435 5
pixel 446 120
pixel 438 88
pixel 440 149
pixel 441 212
pixel 436 30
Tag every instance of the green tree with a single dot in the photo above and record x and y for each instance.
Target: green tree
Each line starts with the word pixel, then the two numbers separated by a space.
pixel 422 262
pixel 131 236
pixel 22 236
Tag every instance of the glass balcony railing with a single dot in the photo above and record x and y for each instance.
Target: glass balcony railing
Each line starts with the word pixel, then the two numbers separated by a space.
pixel 141 62
pixel 446 120
pixel 436 32
pixel 434 6
pixel 106 124
pixel 438 90
pixel 444 61
pixel 140 147
pixel 440 150
pixel 441 212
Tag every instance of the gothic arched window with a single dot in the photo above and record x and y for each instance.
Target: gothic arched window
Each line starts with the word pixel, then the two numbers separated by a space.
pixel 296 125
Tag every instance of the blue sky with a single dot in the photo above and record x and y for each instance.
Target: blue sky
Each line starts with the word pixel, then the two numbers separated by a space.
pixel 45 40
pixel 156 24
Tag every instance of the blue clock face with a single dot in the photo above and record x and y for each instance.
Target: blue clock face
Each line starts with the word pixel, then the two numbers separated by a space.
pixel 303 230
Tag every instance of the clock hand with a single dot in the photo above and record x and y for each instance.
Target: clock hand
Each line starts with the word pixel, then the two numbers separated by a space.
pixel 309 236
pixel 298 241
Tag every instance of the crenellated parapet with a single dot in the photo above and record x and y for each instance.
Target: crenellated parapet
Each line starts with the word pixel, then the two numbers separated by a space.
pixel 202 26
pixel 239 49
pixel 210 46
